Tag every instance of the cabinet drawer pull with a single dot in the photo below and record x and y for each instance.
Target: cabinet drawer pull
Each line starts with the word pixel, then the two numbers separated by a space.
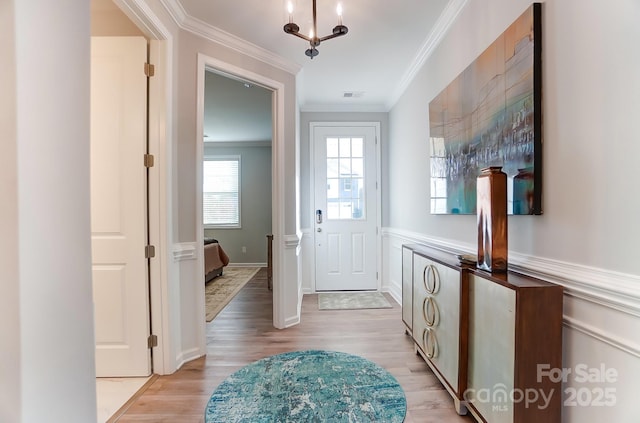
pixel 430 279
pixel 430 311
pixel 429 343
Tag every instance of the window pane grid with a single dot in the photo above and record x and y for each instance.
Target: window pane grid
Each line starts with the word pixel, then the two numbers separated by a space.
pixel 221 192
pixel 345 178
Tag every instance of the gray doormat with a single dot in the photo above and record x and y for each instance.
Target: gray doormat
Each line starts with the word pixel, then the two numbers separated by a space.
pixel 351 300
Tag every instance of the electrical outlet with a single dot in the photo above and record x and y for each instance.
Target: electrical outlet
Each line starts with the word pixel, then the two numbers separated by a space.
pixel 244 250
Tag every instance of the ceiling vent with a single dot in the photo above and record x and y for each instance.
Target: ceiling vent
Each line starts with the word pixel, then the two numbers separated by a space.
pixel 353 94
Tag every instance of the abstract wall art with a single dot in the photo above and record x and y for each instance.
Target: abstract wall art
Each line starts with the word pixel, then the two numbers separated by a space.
pixel 491 115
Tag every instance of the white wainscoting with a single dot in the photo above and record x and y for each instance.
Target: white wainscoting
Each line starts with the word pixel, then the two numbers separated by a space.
pixel 308 263
pixel 189 284
pixel 184 251
pixel 289 291
pixel 601 326
pixel 189 345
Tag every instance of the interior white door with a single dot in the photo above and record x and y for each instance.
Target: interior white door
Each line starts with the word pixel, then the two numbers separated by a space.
pixel 118 206
pixel 345 207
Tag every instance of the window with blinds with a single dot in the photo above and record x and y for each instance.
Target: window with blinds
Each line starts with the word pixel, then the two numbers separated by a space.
pixel 221 191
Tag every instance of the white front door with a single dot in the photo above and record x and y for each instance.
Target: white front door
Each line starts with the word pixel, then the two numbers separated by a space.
pixel 118 206
pixel 345 205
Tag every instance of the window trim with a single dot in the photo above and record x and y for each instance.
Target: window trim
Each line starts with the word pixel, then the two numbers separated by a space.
pixel 229 157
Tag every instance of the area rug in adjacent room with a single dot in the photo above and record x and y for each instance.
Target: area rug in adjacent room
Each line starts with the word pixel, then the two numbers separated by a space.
pixel 308 386
pixel 219 291
pixel 351 300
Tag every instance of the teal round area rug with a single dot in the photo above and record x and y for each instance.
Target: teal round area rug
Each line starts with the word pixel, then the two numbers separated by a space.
pixel 308 386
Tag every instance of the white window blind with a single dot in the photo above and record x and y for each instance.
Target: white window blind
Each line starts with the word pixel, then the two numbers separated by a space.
pixel 221 191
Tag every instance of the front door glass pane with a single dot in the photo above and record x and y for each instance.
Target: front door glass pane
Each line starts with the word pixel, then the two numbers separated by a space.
pixel 345 178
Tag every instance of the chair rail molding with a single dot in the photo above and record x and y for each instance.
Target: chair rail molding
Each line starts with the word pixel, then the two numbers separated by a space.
pixel 591 295
pixel 184 251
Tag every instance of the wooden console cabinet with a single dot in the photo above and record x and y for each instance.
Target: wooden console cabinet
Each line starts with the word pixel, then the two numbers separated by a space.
pixel 515 324
pixel 484 335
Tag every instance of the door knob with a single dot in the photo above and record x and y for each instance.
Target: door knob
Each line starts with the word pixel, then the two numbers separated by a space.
pixel 319 229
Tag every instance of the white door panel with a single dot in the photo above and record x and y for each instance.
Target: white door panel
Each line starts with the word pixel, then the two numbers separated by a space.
pixel 118 206
pixel 345 201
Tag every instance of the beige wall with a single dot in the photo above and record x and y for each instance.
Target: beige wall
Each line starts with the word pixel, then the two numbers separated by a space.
pixel 108 20
pixel 10 384
pixel 188 141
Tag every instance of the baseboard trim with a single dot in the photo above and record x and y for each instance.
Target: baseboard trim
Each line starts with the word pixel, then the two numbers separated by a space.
pixel 187 356
pixel 395 290
pixel 247 265
pixel 291 321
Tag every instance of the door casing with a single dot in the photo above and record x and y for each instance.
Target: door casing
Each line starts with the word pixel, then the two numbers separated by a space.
pixel 277 181
pixel 160 109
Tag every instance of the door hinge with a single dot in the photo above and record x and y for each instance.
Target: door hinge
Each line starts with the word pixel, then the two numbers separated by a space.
pixel 148 160
pixel 149 69
pixel 152 341
pixel 376 275
pixel 149 251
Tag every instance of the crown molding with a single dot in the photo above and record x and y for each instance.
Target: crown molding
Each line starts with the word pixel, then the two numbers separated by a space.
pixel 211 33
pixel 175 10
pixel 440 28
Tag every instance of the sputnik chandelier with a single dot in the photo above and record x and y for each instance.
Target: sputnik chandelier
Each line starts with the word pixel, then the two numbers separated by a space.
pixel 313 39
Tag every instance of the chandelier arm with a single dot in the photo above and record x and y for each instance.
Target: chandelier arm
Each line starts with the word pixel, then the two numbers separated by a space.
pixel 299 35
pixel 328 37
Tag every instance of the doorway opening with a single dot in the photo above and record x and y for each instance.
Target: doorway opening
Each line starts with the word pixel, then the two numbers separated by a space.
pixel 276 88
pixel 237 189
pixel 124 19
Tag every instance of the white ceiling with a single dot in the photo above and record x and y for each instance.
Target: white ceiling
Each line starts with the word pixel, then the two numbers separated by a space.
pixel 385 42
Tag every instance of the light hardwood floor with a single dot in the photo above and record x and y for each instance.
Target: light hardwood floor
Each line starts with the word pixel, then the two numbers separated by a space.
pixel 243 332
